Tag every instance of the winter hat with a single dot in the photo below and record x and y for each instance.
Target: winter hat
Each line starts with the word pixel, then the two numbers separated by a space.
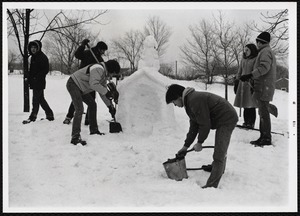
pixel 264 37
pixel 101 45
pixel 174 92
pixel 112 66
pixel 253 50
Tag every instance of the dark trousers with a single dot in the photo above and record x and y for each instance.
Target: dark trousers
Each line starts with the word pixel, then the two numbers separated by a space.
pixel 71 110
pixel 37 100
pixel 264 119
pixel 249 115
pixel 77 99
pixel 222 140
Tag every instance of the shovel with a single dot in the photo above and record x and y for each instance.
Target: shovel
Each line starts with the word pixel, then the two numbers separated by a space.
pixel 176 167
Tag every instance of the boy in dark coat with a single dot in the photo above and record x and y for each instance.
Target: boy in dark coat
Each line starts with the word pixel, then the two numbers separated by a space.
pixel 206 111
pixel 39 67
pixel 86 58
pixel 264 77
pixel 80 84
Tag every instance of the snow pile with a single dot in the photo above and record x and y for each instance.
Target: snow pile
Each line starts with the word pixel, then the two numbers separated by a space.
pixel 124 171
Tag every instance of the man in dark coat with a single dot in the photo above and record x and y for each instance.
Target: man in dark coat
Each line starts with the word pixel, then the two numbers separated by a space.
pixel 86 58
pixel 206 111
pixel 39 67
pixel 264 77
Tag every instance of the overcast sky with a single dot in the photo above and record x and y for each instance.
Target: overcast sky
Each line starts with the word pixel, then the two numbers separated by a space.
pixel 124 16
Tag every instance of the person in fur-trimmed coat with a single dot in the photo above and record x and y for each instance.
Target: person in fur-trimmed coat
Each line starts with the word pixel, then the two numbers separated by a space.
pixel 206 111
pixel 39 68
pixel 243 98
pixel 264 77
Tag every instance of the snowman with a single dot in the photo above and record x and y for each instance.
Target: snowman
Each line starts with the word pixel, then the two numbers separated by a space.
pixel 149 57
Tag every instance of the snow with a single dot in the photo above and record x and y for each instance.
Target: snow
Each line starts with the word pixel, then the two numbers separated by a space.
pixel 123 172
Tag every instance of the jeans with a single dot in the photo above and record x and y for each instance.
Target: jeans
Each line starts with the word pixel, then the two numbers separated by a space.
pixel 77 99
pixel 71 110
pixel 265 120
pixel 37 100
pixel 222 140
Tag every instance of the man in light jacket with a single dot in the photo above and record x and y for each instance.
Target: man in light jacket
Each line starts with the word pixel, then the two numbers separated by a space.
pixel 206 111
pixel 80 84
pixel 264 77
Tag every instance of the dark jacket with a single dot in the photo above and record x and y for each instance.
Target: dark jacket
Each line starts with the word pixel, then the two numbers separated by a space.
pixel 86 56
pixel 39 67
pixel 206 111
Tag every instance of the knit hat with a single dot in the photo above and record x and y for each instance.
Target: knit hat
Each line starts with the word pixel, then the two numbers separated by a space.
pixel 101 45
pixel 264 37
pixel 174 92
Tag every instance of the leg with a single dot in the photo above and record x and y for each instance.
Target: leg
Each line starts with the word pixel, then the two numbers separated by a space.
pixel 92 114
pixel 86 122
pixel 222 140
pixel 71 111
pixel 252 116
pixel 78 105
pixel 35 104
pixel 265 120
pixel 46 107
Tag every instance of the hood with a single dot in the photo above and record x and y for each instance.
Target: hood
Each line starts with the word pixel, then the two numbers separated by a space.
pixel 36 43
pixel 185 92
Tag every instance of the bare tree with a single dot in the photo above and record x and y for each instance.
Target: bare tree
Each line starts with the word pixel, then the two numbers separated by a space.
pixel 160 31
pixel 27 22
pixel 226 38
pixel 277 25
pixel 12 58
pixel 130 47
pixel 199 50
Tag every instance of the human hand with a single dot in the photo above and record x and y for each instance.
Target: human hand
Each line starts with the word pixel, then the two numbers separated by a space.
pixel 246 77
pixel 182 152
pixel 198 147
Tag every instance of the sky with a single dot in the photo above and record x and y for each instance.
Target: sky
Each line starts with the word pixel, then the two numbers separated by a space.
pixel 123 16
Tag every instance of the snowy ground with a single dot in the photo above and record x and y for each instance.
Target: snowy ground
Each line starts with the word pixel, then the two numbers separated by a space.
pixel 124 172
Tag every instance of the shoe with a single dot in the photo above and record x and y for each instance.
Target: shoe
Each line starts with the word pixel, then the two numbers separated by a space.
pixel 264 142
pixel 50 118
pixel 67 120
pixel 97 132
pixel 254 142
pixel 28 121
pixel 86 122
pixel 77 140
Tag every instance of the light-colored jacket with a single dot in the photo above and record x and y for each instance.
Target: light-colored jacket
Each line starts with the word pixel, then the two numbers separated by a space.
pixel 92 78
pixel 243 96
pixel 264 74
pixel 206 111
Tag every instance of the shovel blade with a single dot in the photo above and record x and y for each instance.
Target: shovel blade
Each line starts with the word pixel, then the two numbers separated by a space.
pixel 115 127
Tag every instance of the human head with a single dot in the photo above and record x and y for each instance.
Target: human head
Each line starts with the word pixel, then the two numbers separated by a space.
pixel 34 47
pixel 174 94
pixel 263 38
pixel 102 47
pixel 112 66
pixel 250 51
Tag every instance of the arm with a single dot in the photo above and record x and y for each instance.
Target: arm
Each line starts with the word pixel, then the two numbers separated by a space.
pixel 192 133
pixel 79 53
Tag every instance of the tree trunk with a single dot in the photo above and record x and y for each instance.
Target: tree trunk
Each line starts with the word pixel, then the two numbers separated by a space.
pixel 25 63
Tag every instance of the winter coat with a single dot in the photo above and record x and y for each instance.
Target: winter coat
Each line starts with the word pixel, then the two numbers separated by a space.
pixel 264 74
pixel 206 111
pixel 39 67
pixel 243 96
pixel 92 78
pixel 86 56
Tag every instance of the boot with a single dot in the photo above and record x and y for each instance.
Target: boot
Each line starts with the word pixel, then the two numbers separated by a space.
pixel 254 142
pixel 77 140
pixel 97 132
pixel 67 120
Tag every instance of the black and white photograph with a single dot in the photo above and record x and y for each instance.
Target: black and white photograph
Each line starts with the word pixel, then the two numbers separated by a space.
pixel 149 107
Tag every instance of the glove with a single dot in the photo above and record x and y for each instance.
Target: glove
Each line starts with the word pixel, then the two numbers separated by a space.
pixel 246 77
pixel 109 95
pixel 198 147
pixel 112 111
pixel 182 152
pixel 85 42
pixel 236 85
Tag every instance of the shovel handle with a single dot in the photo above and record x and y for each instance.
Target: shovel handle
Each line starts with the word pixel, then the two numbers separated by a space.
pixel 192 149
pixel 88 46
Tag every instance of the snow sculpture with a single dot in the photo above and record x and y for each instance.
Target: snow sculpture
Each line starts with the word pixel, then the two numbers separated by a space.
pixel 149 57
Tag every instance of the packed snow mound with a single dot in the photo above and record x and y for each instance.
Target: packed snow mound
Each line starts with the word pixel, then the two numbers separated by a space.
pixel 149 57
pixel 142 108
